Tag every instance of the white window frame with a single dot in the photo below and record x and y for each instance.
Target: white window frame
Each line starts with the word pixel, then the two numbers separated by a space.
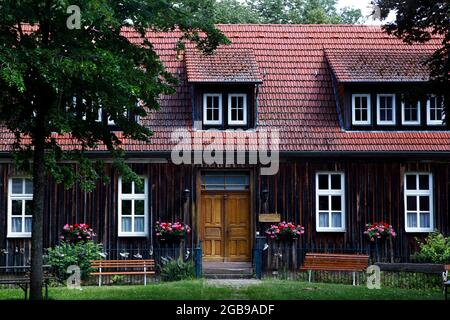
pixel 418 193
pixel 205 99
pixel 133 196
pixel 369 109
pixel 434 122
pixel 12 197
pixel 237 122
pixel 394 107
pixel 405 122
pixel 330 192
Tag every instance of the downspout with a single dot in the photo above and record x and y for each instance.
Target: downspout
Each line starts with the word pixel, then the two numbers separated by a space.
pixel 191 92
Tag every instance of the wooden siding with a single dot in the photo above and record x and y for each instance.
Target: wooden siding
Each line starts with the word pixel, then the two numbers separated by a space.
pixel 374 191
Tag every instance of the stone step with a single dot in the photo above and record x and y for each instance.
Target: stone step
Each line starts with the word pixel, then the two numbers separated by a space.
pixel 228 276
pixel 228 271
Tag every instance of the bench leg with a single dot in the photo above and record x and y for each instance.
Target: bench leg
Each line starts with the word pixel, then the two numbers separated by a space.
pixel 354 278
pixel 310 274
pixel 26 291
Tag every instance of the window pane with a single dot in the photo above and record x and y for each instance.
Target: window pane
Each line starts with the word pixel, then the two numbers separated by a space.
pixel 336 220
pixel 411 182
pixel 425 220
pixel 139 207
pixel 16 207
pixel 323 220
pixel 126 224
pixel 323 181
pixel 411 203
pixel 139 225
pixel 209 114
pixel 28 186
pixel 126 207
pixel 424 182
pixel 17 186
pixel 16 225
pixel 336 203
pixel 411 220
pixel 28 207
pixel 336 181
pixel 323 203
pixel 126 187
pixel 424 203
pixel 139 189
pixel 28 224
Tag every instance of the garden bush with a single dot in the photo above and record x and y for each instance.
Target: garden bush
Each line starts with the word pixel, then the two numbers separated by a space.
pixel 80 254
pixel 434 249
pixel 176 269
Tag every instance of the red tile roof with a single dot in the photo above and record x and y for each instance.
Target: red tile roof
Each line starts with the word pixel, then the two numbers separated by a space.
pixel 226 64
pixel 296 96
pixel 365 65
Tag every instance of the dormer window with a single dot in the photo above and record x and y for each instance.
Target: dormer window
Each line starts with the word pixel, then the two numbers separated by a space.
pixel 386 109
pixel 411 113
pixel 212 109
pixel 237 109
pixel 361 109
pixel 435 110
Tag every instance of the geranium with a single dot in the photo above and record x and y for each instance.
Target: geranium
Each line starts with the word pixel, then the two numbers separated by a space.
pixel 379 230
pixel 77 233
pixel 285 230
pixel 171 230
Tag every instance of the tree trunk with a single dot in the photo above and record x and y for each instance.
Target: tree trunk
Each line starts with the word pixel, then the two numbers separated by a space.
pixel 37 222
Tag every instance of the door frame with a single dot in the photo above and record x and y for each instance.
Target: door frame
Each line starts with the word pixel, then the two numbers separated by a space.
pixel 198 209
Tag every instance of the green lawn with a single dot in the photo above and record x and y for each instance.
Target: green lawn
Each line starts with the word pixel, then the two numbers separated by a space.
pixel 268 289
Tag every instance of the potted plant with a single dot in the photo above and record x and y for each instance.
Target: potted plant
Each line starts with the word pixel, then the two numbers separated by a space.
pixel 381 230
pixel 171 231
pixel 286 231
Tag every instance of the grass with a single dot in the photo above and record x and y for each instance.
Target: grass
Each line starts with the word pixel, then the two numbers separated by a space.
pixel 201 290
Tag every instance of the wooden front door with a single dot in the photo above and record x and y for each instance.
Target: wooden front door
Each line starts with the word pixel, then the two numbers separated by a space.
pixel 226 226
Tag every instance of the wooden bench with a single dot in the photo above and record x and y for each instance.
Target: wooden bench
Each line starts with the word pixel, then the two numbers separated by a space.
pixel 445 280
pixel 123 267
pixel 335 262
pixel 20 276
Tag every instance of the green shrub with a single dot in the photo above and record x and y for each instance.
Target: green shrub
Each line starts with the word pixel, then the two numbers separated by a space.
pixel 80 254
pixel 176 270
pixel 435 249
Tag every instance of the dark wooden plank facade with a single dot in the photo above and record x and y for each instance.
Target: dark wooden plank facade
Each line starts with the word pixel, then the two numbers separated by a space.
pixel 374 191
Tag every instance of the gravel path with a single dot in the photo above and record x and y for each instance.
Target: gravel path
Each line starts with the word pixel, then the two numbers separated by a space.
pixel 233 282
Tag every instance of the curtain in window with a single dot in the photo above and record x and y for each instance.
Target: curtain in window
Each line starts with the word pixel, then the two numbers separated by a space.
pixel 138 224
pixel 323 220
pixel 336 221
pixel 126 224
pixel 412 220
pixel 424 220
pixel 16 225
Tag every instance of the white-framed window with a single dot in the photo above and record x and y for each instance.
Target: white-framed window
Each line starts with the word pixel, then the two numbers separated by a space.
pixel 385 109
pixel 212 108
pixel 133 208
pixel 20 203
pixel 418 194
pixel 361 109
pixel 435 110
pixel 330 201
pixel 410 113
pixel 237 109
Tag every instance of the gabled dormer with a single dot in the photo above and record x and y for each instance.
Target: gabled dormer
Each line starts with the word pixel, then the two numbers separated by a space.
pixel 223 88
pixel 384 90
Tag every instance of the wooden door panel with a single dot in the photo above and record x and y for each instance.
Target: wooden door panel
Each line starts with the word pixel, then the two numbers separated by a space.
pixel 238 226
pixel 213 227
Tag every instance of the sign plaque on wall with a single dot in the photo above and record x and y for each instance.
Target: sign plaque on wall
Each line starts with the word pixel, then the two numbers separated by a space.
pixel 269 217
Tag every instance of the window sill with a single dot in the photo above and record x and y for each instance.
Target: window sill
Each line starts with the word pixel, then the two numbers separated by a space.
pixel 334 230
pixel 132 235
pixel 19 235
pixel 407 230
